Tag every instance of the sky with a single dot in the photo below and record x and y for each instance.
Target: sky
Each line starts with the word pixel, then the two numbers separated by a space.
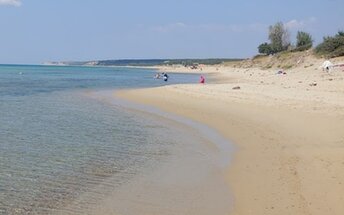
pixel 36 31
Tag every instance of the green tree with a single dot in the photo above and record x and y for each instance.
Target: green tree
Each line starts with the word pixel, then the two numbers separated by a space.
pixel 279 37
pixel 265 48
pixel 304 41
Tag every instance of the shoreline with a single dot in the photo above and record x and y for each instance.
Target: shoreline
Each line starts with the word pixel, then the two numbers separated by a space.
pixel 289 135
pixel 183 182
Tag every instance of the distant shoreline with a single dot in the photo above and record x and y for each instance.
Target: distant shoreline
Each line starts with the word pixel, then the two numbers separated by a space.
pixel 145 62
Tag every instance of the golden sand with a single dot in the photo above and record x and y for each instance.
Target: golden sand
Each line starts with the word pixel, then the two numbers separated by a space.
pixel 289 133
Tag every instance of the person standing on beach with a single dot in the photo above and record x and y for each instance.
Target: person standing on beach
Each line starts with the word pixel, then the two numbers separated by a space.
pixel 202 79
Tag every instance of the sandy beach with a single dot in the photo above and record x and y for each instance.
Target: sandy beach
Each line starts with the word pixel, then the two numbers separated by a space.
pixel 288 130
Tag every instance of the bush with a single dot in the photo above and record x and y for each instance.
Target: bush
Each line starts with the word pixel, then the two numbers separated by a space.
pixel 265 48
pixel 338 52
pixel 302 48
pixel 304 41
pixel 332 46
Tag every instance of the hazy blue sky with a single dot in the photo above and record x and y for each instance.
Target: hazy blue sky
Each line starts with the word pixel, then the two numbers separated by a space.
pixel 34 31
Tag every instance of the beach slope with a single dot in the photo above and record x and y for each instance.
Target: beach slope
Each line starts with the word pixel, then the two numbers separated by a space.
pixel 288 134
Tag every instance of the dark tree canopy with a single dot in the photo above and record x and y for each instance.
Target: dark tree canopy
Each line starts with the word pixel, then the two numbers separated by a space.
pixel 332 46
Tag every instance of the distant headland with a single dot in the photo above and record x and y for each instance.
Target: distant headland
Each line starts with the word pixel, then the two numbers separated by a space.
pixel 143 62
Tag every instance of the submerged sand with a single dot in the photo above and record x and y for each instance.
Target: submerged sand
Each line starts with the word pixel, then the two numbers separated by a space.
pixel 288 130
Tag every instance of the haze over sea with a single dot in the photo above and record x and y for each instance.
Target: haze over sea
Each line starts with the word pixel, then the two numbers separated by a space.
pixel 61 148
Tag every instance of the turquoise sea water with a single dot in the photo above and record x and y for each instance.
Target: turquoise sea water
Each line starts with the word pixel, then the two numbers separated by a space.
pixel 57 143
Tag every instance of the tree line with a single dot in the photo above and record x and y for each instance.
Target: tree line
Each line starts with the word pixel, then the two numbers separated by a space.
pixel 279 38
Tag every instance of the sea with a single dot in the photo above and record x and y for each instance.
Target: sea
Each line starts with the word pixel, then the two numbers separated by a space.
pixel 69 146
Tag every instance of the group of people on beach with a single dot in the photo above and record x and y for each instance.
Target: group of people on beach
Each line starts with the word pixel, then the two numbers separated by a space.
pixel 163 75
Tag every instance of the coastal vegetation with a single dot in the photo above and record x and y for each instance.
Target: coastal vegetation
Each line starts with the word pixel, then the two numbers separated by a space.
pixel 279 40
pixel 279 37
pixel 332 46
pixel 304 41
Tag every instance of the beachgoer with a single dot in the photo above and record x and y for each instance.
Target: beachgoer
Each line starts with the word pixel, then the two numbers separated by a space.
pixel 157 76
pixel 202 79
pixel 165 77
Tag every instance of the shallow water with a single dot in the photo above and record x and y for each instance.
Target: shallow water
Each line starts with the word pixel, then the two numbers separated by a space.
pixel 189 180
pixel 63 151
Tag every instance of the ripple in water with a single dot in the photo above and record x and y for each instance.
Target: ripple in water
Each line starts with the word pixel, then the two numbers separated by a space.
pixel 57 147
pixel 52 158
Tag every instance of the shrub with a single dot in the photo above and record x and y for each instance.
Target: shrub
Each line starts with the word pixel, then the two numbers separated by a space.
pixel 332 46
pixel 265 48
pixel 304 41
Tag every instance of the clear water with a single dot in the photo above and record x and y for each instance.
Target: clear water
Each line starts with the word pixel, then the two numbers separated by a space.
pixel 57 144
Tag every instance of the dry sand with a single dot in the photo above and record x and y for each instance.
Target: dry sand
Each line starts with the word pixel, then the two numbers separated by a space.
pixel 289 135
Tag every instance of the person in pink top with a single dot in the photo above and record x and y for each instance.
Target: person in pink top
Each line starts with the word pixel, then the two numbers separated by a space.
pixel 202 79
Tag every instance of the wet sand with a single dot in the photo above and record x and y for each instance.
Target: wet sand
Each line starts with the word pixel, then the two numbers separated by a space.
pixel 188 179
